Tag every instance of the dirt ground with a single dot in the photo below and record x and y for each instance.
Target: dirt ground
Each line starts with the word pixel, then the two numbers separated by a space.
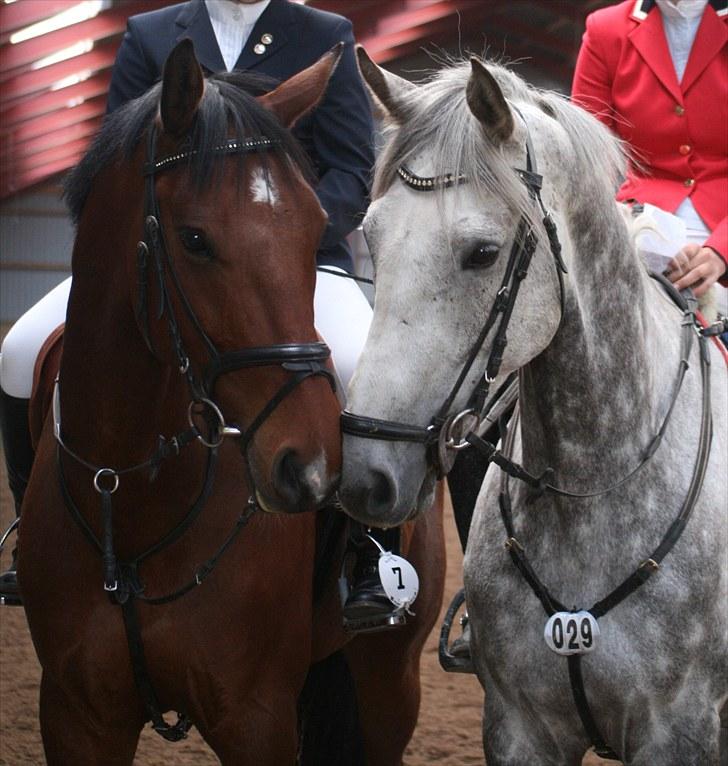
pixel 448 733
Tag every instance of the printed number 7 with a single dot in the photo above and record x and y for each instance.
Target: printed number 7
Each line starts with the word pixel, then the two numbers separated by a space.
pixel 398 572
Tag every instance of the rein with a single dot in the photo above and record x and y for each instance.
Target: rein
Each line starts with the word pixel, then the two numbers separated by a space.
pixel 300 360
pixel 447 433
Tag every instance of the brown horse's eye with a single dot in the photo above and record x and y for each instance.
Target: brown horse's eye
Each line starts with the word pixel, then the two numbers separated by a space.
pixel 195 243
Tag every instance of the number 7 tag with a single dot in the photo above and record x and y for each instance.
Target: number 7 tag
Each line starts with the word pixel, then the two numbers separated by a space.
pixel 399 579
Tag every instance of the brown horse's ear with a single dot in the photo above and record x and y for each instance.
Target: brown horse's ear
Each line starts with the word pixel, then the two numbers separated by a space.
pixel 487 103
pixel 182 88
pixel 299 94
pixel 388 89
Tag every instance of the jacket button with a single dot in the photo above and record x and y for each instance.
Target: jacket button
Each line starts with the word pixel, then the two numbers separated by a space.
pixel 679 110
pixel 689 182
pixel 685 149
pixel 259 49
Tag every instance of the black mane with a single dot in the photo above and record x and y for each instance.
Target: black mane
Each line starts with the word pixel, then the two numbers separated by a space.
pixel 228 110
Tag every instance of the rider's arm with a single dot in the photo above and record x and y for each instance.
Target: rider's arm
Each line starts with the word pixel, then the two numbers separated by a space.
pixel 592 84
pixel 133 72
pixel 342 139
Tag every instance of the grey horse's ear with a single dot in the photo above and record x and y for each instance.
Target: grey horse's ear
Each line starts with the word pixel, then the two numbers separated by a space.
pixel 389 90
pixel 487 103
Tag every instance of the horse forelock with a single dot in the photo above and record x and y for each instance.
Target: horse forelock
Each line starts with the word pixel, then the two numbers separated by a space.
pixel 228 109
pixel 441 126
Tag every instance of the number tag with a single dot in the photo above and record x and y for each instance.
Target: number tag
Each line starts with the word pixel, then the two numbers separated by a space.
pixel 399 579
pixel 571 633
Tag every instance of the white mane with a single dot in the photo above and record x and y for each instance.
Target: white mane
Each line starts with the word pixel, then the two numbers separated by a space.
pixel 439 119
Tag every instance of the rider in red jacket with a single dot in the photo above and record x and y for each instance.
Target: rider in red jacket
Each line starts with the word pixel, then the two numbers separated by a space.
pixel 628 74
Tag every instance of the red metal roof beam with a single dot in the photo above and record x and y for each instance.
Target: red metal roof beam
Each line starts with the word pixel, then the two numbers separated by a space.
pixel 10 185
pixel 58 120
pixel 56 100
pixel 49 156
pixel 31 81
pixel 418 16
pixel 14 144
pixel 106 24
pixel 22 14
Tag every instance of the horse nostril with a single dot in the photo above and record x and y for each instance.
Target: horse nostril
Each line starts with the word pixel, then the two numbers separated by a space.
pixel 287 473
pixel 383 493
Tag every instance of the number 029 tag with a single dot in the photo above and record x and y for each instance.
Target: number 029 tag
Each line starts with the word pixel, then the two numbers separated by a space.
pixel 571 633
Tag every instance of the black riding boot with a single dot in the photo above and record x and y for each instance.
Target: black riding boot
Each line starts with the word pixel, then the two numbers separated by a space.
pixel 464 482
pixel 19 456
pixel 367 600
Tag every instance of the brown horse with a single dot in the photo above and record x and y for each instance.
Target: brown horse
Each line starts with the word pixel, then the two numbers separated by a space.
pixel 191 316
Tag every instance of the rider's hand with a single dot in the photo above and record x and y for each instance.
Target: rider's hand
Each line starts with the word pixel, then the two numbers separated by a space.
pixel 696 267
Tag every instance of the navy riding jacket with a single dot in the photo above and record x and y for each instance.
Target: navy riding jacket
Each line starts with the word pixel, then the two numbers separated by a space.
pixel 337 135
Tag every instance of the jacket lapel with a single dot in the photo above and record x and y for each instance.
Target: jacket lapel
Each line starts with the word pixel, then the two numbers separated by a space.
pixel 274 21
pixel 711 36
pixel 648 37
pixel 193 21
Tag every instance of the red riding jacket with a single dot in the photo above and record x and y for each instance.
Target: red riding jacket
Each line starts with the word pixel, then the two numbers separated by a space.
pixel 678 131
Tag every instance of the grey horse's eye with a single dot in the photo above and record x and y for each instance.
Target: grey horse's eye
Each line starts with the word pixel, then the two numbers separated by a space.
pixel 195 243
pixel 481 256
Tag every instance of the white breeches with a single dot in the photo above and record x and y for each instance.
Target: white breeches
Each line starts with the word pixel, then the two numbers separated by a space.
pixel 24 340
pixel 341 312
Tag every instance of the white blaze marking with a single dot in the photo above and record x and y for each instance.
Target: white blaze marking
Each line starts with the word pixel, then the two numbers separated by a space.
pixel 262 188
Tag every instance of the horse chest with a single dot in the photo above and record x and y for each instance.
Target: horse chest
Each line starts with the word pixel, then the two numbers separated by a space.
pixel 642 641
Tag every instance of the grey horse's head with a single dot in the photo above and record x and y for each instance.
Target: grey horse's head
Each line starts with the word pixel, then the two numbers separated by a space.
pixel 440 257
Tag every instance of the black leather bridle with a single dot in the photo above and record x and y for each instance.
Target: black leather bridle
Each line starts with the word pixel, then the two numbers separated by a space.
pixel 206 425
pixel 303 360
pixel 446 432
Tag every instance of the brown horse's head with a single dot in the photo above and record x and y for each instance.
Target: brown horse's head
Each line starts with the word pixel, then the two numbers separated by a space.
pixel 224 283
pixel 242 248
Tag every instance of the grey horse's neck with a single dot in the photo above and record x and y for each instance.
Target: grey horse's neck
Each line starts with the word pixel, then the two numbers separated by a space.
pixel 606 377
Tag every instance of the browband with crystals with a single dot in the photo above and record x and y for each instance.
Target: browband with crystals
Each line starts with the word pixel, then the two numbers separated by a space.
pixel 419 183
pixel 232 146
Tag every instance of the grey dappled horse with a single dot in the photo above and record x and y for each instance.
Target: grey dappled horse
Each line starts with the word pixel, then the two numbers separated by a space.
pixel 598 346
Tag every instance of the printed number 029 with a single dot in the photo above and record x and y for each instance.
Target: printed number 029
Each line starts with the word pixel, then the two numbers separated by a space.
pixel 571 632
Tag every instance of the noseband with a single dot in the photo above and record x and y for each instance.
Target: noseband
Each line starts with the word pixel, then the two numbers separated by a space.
pixel 445 435
pixel 302 360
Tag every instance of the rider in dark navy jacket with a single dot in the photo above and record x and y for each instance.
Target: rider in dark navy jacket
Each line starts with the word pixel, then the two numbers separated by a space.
pixel 287 37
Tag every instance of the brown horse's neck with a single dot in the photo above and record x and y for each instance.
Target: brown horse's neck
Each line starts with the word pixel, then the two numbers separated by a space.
pixel 116 397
